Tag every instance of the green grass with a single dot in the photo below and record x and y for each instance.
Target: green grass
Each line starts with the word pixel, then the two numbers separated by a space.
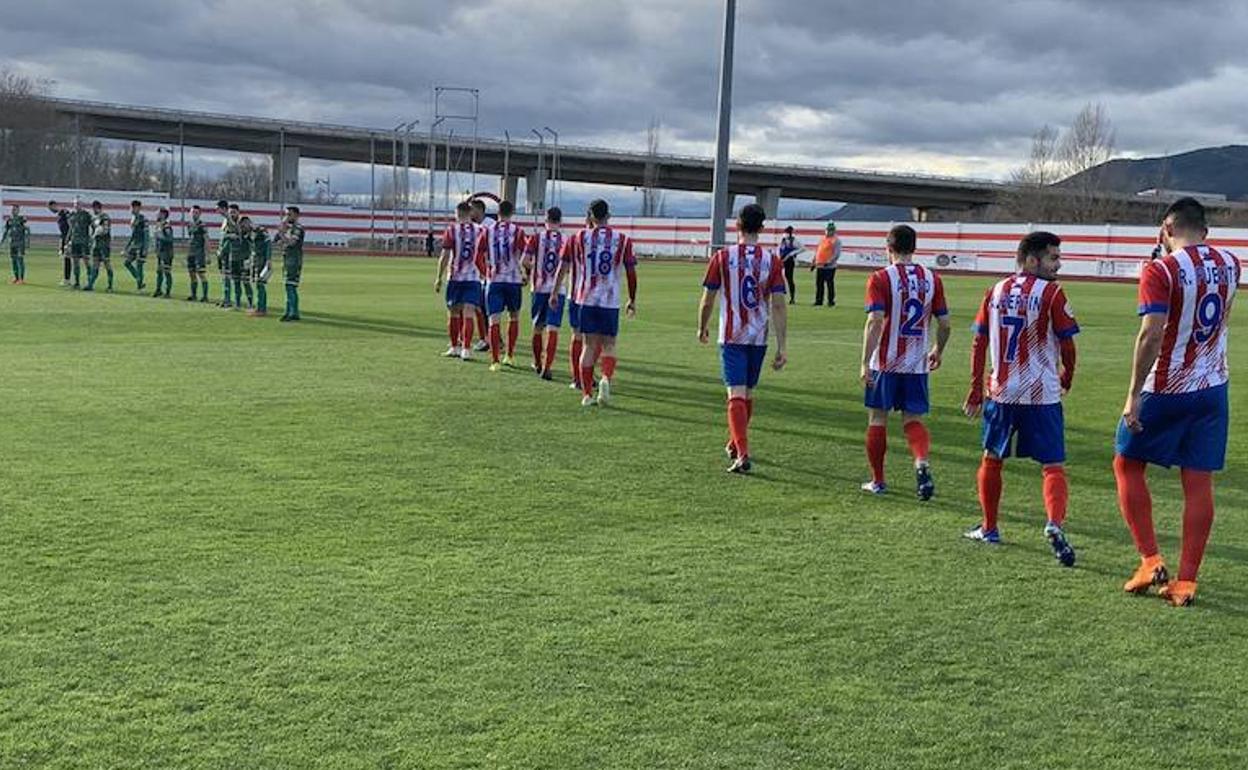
pixel 234 543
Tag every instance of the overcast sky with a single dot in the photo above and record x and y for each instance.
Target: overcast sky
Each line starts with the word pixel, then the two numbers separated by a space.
pixel 953 87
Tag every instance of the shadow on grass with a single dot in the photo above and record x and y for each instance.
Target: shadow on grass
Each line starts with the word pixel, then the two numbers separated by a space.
pixel 372 325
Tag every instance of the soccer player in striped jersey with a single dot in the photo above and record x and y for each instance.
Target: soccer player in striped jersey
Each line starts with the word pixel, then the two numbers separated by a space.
pixel 1024 327
pixel 601 256
pixel 1176 411
pixel 501 248
pixel 462 270
pixel 901 301
pixel 542 260
pixel 477 214
pixel 752 280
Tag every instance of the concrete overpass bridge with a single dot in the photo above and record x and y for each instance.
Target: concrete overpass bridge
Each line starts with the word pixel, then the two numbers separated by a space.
pixel 288 141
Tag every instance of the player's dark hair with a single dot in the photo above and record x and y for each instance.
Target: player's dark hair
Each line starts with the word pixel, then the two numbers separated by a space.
pixel 751 218
pixel 223 203
pixel 1036 244
pixel 289 209
pixel 554 215
pixel 163 210
pixel 97 205
pixel 506 208
pixel 244 219
pixel 136 203
pixel 51 204
pixel 196 208
pixel 902 239
pixel 477 203
pixel 789 229
pixel 599 210
pixel 463 207
pixel 1187 214
pixel 233 207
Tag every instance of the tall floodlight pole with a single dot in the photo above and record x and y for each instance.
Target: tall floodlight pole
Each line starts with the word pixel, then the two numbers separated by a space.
pixel 394 186
pixel 541 151
pixel 407 183
pixel 372 191
pixel 182 171
pixel 554 167
pixel 719 194
pixel 432 168
pixel 506 157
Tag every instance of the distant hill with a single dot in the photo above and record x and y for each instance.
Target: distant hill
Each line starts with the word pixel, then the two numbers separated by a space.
pixel 1219 170
pixel 867 212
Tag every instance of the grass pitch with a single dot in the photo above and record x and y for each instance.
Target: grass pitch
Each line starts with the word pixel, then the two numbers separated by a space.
pixel 234 543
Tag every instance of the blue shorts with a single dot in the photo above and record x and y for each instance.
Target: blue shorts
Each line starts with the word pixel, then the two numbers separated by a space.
pixel 1037 431
pixel 502 296
pixel 600 320
pixel 481 296
pixel 1184 429
pixel 463 293
pixel 897 391
pixel 542 314
pixel 742 364
pixel 574 315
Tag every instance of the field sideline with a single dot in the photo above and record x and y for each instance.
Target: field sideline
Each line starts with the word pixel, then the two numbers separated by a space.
pixel 234 543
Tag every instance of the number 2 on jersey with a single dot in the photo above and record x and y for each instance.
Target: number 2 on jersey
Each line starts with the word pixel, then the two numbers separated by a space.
pixel 910 324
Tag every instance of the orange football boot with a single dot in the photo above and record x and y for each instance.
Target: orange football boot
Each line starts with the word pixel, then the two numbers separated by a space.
pixel 1151 572
pixel 1180 593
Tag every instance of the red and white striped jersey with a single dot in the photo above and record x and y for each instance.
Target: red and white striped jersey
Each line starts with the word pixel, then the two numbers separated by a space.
pixel 461 239
pixel 748 274
pixel 909 296
pixel 599 256
pixel 501 247
pixel 1025 317
pixel 1195 288
pixel 545 248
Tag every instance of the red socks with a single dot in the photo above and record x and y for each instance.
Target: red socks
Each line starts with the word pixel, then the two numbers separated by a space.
pixel 1136 503
pixel 552 345
pixel 877 445
pixel 537 349
pixel 918 438
pixel 1197 520
pixel 738 424
pixel 466 331
pixel 513 333
pixel 483 323
pixel 574 357
pixel 454 325
pixel 1056 493
pixel 495 341
pixel 608 366
pixel 990 490
pixel 587 380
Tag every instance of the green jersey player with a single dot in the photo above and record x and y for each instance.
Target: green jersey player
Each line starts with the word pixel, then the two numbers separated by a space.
pixel 163 235
pixel 101 245
pixel 197 255
pixel 136 247
pixel 17 232
pixel 291 239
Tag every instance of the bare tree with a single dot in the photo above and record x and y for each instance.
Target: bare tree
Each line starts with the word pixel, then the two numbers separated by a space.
pixel 651 196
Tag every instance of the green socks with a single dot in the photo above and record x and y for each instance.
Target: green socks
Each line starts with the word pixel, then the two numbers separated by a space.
pixel 262 298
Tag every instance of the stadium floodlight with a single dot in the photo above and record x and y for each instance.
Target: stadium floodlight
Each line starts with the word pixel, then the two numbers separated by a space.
pixel 541 151
pixel 554 166
pixel 719 188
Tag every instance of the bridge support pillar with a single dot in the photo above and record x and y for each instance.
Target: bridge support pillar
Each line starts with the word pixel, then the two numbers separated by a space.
pixel 286 174
pixel 535 190
pixel 769 199
pixel 918 214
pixel 509 188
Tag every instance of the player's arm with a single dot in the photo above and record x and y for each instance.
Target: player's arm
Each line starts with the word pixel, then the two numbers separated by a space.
pixel 872 331
pixel 974 403
pixel 565 260
pixel 1067 348
pixel 704 313
pixel 940 310
pixel 1147 348
pixel 448 250
pixel 780 325
pixel 630 270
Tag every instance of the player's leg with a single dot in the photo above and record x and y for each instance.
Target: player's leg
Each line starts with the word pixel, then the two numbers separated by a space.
pixel 21 266
pixel 202 272
pixel 67 265
pixel 1041 435
pixel 1056 496
pixel 128 264
pixel 168 266
pixel 876 442
pixel 789 267
pixel 576 346
pixel 13 262
pixel 1158 442
pixel 467 313
pixel 738 413
pixel 589 358
pixel 93 270
pixel 139 266
pixel 998 431
pixel 513 330
pixel 920 442
pixel 192 278
pixel 1201 452
pixel 554 319
pixel 483 321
